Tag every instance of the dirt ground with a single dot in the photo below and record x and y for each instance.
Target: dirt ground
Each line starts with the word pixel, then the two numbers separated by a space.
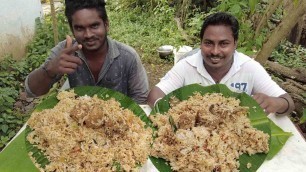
pixel 156 71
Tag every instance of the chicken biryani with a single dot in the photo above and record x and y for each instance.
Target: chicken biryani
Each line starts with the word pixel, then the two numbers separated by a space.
pixel 89 134
pixel 206 133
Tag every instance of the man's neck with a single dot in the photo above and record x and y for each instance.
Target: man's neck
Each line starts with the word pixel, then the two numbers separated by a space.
pixel 98 54
pixel 95 60
pixel 218 73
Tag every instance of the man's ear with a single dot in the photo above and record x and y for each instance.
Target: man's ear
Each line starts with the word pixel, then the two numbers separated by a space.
pixel 236 43
pixel 106 24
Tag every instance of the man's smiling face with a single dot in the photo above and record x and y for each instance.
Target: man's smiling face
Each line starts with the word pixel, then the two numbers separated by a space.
pixel 218 46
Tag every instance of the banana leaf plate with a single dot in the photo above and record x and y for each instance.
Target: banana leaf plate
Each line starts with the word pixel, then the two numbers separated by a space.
pixel 256 114
pixel 15 156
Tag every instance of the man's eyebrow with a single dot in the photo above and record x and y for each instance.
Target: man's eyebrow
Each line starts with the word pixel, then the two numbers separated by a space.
pixel 223 40
pixel 207 39
pixel 76 25
pixel 95 23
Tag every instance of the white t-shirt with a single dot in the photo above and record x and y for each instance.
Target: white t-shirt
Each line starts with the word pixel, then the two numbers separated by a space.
pixel 245 75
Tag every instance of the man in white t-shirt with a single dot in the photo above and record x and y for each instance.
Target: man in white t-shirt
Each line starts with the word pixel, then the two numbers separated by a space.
pixel 218 62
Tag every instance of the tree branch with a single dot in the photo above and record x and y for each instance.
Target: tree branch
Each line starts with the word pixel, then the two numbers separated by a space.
pixel 273 4
pixel 281 31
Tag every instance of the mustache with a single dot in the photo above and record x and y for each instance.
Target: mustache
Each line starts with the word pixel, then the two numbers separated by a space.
pixel 90 39
pixel 214 56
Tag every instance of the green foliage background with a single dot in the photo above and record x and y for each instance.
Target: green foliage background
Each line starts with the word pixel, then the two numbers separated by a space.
pixel 13 73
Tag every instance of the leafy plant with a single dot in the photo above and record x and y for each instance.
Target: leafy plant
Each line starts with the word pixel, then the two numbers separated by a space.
pixel 289 55
pixel 10 123
pixel 13 73
pixel 145 31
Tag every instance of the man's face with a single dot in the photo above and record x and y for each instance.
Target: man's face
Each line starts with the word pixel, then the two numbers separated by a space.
pixel 89 29
pixel 217 47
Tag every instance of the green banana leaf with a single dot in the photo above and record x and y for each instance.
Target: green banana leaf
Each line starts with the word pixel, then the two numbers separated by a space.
pixel 15 156
pixel 278 139
pixel 257 116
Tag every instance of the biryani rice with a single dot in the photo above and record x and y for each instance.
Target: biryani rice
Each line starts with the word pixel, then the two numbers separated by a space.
pixel 212 132
pixel 89 134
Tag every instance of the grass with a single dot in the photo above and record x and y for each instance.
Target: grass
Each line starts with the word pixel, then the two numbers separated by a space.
pixel 144 31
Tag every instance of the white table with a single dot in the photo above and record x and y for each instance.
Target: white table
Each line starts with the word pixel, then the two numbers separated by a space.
pixel 291 158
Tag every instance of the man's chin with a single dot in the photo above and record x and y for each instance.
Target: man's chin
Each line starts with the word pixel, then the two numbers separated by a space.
pixel 215 63
pixel 90 48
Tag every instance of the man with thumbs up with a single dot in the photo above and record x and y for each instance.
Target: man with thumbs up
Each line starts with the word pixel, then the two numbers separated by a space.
pixel 91 58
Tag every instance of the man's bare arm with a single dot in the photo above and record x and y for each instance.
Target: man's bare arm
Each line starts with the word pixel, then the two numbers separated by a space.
pixel 280 105
pixel 39 81
pixel 289 105
pixel 155 94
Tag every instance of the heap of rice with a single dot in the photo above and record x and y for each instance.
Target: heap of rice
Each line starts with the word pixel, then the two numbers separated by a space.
pixel 89 134
pixel 206 133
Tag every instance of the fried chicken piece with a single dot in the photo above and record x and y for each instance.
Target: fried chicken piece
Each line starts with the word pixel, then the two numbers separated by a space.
pixel 79 112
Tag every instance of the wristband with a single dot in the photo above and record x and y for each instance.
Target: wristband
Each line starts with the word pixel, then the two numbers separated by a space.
pixel 157 101
pixel 44 68
pixel 287 106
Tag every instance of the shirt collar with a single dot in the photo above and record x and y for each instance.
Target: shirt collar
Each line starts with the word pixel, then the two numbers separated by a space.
pixel 239 60
pixel 113 50
pixel 196 60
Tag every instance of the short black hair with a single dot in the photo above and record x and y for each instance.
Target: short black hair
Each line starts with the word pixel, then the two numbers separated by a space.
pixel 74 5
pixel 221 18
